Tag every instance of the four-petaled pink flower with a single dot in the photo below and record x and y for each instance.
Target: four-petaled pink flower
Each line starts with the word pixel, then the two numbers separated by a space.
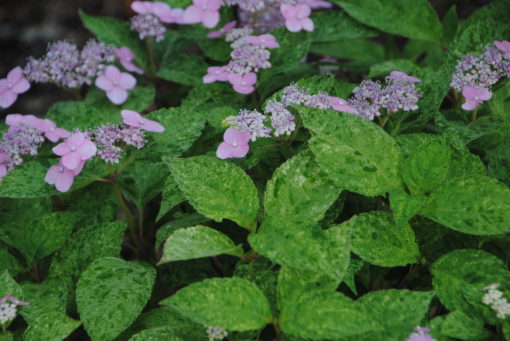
pixel 61 176
pixel 340 104
pixel 297 17
pixel 474 97
pixel 216 73
pixel 243 83
pixel 204 11
pixel 235 144
pixel 74 150
pixel 398 75
pixel 10 87
pixel 134 119
pixel 266 40
pixel 227 28
pixel 52 132
pixel 126 56
pixel 504 47
pixel 116 84
pixel 3 168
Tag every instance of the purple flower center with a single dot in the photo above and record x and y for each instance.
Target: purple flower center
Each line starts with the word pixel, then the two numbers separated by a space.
pixel 141 122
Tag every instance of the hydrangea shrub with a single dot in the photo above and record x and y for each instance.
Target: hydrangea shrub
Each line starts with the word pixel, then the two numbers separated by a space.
pixel 262 170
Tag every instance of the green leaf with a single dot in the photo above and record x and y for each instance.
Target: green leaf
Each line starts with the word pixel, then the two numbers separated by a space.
pixel 182 127
pixel 305 247
pixel 40 236
pixel 9 262
pixel 299 192
pixel 178 221
pixel 409 18
pixel 326 314
pixel 398 311
pixel 171 196
pixel 450 25
pixel 360 50
pixel 9 286
pixel 293 48
pixel 156 334
pixel 405 206
pixel 427 167
pixel 460 276
pixel 227 192
pixel 44 298
pixel 142 181
pixel 7 336
pixel 183 68
pixel 464 326
pixel 52 326
pixel 386 67
pixel 377 239
pixel 230 303
pixel 111 293
pixel 80 115
pixel 116 32
pixel 197 242
pixel 478 205
pixel 355 153
pixel 292 283
pixel 337 25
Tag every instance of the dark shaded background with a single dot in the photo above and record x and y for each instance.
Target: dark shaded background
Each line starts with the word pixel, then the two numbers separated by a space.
pixel 27 26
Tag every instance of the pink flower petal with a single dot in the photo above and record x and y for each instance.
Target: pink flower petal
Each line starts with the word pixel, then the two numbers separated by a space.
pixel 131 118
pixel 87 150
pixel 78 169
pixel 104 83
pixel 131 67
pixel 75 140
pixel 4 85
pixel 213 5
pixel 250 78
pixel 112 72
pixel 15 75
pixel 234 136
pixel 288 10
pixel 125 53
pixel 224 151
pixel 192 15
pixel 141 7
pixel 71 160
pixel 244 89
pixel 117 95
pixel 62 133
pixel 64 180
pixel 211 19
pixel 61 149
pixel 293 25
pixel 235 78
pixel 307 24
pixel 153 126
pixel 303 10
pixel 240 151
pixel 13 119
pixel 51 174
pixel 3 171
pixel 127 81
pixel 209 79
pixel 7 99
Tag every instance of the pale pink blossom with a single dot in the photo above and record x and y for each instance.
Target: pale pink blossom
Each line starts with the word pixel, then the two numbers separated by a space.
pixel 265 40
pixel 134 119
pixel 74 150
pixel 474 97
pixel 52 132
pixel 340 104
pixel 297 17
pixel 216 73
pixel 116 83
pixel 204 11
pixel 13 85
pixel 398 75
pixel 61 176
pixel 126 56
pixel 504 47
pixel 235 144
pixel 244 84
pixel 227 28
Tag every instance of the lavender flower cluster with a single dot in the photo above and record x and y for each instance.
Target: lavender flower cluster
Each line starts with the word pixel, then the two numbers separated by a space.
pixel 485 70
pixel 65 65
pixel 148 25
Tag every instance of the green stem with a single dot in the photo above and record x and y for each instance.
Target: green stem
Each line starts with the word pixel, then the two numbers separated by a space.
pixel 473 114
pixel 152 56
pixel 127 213
pixel 383 120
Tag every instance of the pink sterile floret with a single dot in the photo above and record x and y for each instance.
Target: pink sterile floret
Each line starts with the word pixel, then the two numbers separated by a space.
pixel 297 17
pixel 61 176
pixel 227 28
pixel 340 104
pixel 235 144
pixel 398 75
pixel 216 73
pixel 74 150
pixel 52 132
pixel 204 11
pixel 474 97
pixel 243 83
pixel 10 87
pixel 134 119
pixel 504 47
pixel 116 84
pixel 266 40
pixel 126 56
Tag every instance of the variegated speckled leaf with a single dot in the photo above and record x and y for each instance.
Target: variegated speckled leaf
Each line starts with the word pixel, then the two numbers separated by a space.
pixel 217 189
pixel 197 242
pixel 377 239
pixel 52 326
pixel 230 303
pixel 355 153
pixel 478 205
pixel 299 191
pixel 156 334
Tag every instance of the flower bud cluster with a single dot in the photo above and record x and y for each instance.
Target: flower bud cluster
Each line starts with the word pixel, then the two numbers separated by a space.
pixel 8 308
pixel 494 298
pixel 216 333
